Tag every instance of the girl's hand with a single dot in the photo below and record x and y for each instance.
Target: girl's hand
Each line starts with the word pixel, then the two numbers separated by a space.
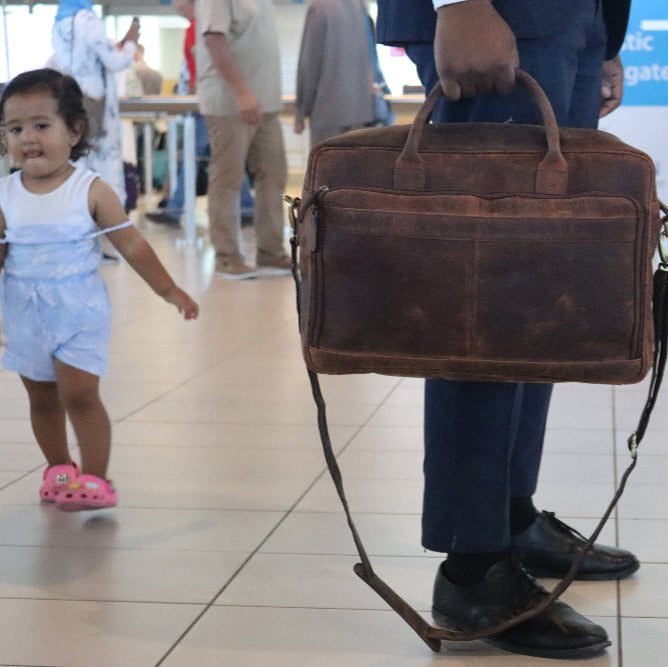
pixel 177 297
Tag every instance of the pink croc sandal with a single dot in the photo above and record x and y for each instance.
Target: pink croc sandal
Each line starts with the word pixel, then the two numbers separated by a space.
pixel 87 492
pixel 55 479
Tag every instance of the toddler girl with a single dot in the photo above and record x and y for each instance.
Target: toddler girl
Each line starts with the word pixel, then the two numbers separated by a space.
pixel 55 305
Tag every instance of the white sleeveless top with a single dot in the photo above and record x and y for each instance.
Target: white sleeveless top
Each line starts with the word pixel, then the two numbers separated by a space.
pixel 51 236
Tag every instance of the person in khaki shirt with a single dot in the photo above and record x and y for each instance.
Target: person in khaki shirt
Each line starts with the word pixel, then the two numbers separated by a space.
pixel 238 87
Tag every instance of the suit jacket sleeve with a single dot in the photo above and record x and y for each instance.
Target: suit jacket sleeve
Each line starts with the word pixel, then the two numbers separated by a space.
pixel 616 15
pixel 403 22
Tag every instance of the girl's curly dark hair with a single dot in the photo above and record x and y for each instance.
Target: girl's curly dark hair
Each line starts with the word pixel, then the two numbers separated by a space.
pixel 64 89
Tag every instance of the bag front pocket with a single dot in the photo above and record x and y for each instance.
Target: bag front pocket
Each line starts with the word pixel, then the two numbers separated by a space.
pixel 505 278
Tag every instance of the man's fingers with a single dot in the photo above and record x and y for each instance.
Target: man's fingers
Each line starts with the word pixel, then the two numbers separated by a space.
pixel 505 82
pixel 451 90
pixel 456 87
pixel 608 106
pixel 474 49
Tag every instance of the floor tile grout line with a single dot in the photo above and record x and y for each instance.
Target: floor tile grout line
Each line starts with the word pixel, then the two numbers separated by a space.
pixel 21 477
pixel 234 575
pixel 167 603
pixel 280 522
pixel 240 349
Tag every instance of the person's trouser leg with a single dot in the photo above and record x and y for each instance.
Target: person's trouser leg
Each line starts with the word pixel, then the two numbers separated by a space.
pixel 479 436
pixel 266 161
pixel 229 139
pixel 525 460
pixel 177 200
pixel 483 441
pixel 469 431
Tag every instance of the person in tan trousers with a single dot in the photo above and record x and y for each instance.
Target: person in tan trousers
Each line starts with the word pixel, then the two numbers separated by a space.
pixel 239 92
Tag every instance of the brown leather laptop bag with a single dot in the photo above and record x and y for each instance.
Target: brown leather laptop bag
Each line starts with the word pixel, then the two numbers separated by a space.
pixel 479 251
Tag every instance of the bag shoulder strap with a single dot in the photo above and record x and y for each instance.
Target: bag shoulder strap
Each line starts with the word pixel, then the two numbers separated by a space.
pixel 430 634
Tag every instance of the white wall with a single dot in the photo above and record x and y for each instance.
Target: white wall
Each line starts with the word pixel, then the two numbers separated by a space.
pixel 26 42
pixel 290 24
pixel 641 127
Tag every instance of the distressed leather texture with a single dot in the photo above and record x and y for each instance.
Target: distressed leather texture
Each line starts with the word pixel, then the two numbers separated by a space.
pixel 479 251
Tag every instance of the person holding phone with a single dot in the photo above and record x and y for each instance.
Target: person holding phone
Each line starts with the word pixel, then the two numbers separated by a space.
pixel 83 50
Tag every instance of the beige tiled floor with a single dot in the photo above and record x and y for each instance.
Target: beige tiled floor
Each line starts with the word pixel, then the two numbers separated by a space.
pixel 228 547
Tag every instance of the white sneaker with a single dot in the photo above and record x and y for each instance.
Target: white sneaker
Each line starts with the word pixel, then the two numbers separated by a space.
pixel 279 266
pixel 234 268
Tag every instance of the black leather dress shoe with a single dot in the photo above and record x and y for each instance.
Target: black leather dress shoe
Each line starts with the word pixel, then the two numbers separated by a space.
pixel 547 549
pixel 506 591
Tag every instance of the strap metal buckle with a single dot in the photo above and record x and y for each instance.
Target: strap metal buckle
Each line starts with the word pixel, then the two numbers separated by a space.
pixel 663 238
pixel 293 210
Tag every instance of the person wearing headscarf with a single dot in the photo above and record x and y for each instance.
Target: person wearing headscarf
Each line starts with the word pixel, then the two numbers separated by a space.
pixel 83 50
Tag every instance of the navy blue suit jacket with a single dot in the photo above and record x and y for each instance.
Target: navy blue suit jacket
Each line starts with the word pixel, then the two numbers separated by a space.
pixel 409 21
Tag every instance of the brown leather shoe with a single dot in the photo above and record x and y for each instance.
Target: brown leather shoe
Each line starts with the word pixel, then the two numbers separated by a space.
pixel 547 549
pixel 506 591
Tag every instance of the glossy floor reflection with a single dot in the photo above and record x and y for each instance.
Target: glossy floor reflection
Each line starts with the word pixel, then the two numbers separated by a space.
pixel 228 547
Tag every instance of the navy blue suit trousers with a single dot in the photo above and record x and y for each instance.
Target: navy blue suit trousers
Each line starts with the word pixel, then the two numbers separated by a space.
pixel 484 440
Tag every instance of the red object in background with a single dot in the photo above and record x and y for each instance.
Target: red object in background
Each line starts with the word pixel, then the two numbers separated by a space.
pixel 189 52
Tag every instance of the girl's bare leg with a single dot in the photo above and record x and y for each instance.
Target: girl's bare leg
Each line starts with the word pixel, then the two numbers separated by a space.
pixel 47 417
pixel 80 396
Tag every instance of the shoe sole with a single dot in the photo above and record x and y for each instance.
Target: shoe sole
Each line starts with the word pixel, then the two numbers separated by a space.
pixel 539 573
pixel 273 271
pixel 566 654
pixel 238 276
pixel 449 623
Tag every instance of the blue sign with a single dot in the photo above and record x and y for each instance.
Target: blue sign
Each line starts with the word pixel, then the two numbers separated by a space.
pixel 645 54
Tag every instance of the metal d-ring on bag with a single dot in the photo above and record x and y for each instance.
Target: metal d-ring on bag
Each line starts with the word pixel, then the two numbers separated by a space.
pixel 563 220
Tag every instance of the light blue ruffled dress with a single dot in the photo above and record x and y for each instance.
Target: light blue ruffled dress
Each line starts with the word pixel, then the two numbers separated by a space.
pixel 53 300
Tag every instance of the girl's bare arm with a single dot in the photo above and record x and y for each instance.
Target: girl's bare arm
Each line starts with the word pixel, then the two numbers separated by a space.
pixel 3 246
pixel 108 211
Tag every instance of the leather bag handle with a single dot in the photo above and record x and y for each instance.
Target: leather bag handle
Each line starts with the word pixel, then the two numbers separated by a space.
pixel 551 173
